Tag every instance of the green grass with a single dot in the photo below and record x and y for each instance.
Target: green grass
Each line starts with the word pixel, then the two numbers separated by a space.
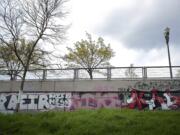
pixel 92 122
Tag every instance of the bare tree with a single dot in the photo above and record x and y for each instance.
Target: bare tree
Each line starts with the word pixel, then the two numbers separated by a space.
pixel 130 72
pixel 31 19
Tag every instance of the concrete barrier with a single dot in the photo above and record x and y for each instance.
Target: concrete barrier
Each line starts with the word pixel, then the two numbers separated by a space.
pixel 89 85
pixel 90 94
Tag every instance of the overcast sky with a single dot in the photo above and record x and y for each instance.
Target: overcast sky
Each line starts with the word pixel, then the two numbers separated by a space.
pixel 134 28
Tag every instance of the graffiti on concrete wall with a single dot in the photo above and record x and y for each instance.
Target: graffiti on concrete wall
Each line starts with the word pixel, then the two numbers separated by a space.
pixel 151 100
pixel 160 85
pixel 154 100
pixel 97 100
pixel 173 85
pixel 150 95
pixel 35 101
pixel 142 95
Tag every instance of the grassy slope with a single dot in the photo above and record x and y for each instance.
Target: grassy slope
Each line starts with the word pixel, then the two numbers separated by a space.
pixel 92 122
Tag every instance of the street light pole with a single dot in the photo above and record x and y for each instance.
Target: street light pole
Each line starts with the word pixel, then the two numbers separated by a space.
pixel 166 35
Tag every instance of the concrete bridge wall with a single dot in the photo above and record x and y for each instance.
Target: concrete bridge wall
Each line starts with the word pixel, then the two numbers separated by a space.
pixel 89 85
pixel 90 94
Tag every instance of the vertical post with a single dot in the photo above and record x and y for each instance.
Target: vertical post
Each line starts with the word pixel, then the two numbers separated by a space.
pixel 44 74
pixel 169 57
pixel 108 73
pixel 144 72
pixel 76 74
pixel 166 35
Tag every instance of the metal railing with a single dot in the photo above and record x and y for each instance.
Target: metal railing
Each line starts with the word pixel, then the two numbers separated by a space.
pixel 155 72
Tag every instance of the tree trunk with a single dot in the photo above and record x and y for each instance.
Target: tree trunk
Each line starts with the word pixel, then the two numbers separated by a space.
pixel 21 90
pixel 26 67
pixel 90 72
pixel 11 77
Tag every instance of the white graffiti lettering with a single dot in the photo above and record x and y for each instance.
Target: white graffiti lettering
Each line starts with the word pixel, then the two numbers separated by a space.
pixel 36 101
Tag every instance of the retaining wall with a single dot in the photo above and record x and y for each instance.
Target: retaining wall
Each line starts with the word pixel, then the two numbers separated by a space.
pixel 90 94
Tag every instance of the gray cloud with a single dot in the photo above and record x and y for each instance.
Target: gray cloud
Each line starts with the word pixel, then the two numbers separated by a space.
pixel 142 27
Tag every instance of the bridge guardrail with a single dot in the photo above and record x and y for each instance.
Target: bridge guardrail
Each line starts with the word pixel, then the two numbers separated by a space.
pixel 99 73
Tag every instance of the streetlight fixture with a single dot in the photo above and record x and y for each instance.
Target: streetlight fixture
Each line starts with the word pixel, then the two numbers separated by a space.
pixel 166 35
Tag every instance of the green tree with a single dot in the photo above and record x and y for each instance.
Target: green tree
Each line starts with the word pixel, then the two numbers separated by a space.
pixel 10 62
pixel 89 54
